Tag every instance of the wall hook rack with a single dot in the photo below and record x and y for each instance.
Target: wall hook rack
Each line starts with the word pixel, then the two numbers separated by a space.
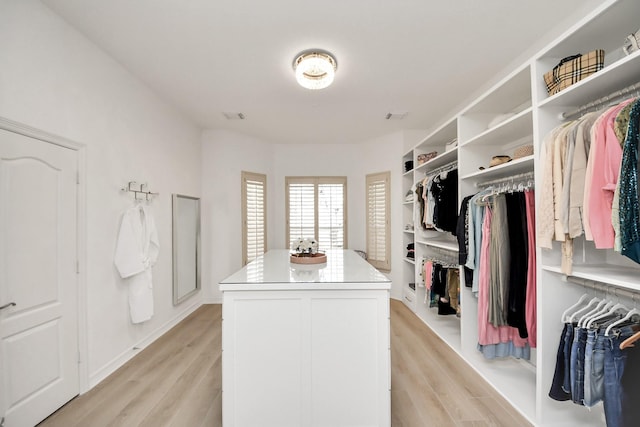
pixel 141 189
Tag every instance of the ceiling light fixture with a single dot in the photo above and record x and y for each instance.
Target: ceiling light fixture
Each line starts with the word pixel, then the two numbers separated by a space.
pixel 315 69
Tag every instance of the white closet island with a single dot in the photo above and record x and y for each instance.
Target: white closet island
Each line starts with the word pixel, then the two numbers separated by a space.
pixel 306 345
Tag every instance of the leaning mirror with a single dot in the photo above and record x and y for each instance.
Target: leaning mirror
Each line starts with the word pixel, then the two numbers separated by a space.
pixel 186 247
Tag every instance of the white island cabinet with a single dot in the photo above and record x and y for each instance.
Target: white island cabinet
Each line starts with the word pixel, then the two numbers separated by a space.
pixel 306 345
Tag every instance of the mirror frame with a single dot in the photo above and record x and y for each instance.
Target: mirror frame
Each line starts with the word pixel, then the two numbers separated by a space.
pixel 177 255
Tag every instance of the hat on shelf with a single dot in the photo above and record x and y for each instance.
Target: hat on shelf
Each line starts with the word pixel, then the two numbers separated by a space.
pixel 497 160
pixel 523 151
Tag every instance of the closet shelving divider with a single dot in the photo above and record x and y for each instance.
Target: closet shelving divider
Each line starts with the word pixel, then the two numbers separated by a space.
pixel 510 99
pixel 408 293
pixel 431 243
pixel 533 114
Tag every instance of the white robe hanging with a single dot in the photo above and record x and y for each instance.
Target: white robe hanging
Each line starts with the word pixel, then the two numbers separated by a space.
pixel 136 252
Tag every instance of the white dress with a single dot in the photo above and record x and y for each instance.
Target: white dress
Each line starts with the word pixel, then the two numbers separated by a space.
pixel 136 252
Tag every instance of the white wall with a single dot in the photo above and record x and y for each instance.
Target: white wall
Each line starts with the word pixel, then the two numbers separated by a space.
pixel 320 160
pixel 225 154
pixel 54 79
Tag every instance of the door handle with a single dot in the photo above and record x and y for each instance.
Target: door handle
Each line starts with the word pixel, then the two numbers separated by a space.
pixel 7 305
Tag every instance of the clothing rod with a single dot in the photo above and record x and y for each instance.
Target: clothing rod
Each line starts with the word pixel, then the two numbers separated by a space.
pixel 442 168
pixel 520 176
pixel 614 96
pixel 599 286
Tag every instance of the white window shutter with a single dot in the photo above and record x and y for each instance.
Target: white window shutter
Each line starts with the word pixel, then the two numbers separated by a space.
pixel 378 221
pixel 254 215
pixel 316 209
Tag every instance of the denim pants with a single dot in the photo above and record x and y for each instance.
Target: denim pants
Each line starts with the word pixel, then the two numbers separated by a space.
pixel 557 391
pixel 568 342
pixel 631 388
pixel 614 364
pixel 576 370
pixel 594 368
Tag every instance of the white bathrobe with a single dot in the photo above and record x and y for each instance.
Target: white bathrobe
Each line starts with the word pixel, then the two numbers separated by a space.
pixel 136 252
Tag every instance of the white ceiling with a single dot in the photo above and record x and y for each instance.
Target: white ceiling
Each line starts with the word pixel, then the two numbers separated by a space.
pixel 207 57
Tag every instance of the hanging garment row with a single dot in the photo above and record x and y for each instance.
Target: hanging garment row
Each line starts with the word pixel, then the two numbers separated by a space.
pixel 492 222
pixel 596 360
pixel 437 195
pixel 590 183
pixel 442 284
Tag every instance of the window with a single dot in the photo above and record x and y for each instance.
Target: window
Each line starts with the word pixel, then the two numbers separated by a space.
pixel 316 207
pixel 254 216
pixel 378 219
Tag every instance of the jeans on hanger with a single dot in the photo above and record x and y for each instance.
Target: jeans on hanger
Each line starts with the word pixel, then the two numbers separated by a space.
pixel 568 341
pixel 577 365
pixel 614 364
pixel 594 368
pixel 557 392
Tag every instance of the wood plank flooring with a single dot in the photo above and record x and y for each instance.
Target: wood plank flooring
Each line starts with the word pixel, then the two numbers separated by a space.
pixel 177 380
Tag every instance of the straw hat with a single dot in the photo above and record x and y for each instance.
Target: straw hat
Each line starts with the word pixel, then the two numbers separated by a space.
pixel 497 160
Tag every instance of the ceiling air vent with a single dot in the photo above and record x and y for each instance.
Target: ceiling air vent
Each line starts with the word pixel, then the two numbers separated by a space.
pixel 234 116
pixel 396 116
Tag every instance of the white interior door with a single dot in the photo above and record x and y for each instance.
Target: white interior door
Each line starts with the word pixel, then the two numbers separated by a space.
pixel 39 334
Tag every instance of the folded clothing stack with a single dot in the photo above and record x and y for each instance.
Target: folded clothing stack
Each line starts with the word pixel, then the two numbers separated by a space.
pixel 408 165
pixel 410 251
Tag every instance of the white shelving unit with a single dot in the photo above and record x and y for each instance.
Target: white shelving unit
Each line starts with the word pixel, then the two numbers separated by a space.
pixel 528 115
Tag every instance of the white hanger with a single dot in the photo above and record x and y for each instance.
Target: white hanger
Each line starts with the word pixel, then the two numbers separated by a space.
pixel 582 299
pixel 584 309
pixel 603 313
pixel 624 319
pixel 583 319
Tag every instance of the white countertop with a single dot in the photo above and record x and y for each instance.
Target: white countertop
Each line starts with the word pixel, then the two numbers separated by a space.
pixel 344 269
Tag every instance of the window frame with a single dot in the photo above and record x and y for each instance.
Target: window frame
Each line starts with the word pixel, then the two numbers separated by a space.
pixel 316 181
pixel 256 177
pixel 385 263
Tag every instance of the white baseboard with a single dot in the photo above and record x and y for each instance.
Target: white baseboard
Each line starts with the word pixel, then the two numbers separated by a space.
pixel 212 300
pixel 125 356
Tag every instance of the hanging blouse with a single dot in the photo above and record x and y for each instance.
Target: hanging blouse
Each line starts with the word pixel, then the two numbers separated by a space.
pixel 629 200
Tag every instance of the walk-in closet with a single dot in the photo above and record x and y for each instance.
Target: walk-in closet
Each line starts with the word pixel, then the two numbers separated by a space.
pixel 504 153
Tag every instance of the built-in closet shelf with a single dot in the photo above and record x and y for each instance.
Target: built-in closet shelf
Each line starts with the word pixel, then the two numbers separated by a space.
pixel 440 160
pixel 446 327
pixel 410 261
pixel 409 231
pixel 439 137
pixel 441 243
pixel 608 26
pixel 610 79
pixel 408 173
pixel 512 129
pixel 524 164
pixel 408 203
pixel 624 277
pixel 514 379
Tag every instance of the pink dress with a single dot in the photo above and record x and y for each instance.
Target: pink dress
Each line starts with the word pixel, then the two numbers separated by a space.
pixel 489 334
pixel 530 305
pixel 606 160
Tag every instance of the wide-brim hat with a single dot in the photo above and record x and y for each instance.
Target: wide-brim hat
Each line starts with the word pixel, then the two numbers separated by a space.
pixel 498 160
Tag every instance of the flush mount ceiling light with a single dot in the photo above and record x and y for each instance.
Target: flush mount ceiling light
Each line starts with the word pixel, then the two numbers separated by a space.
pixel 315 69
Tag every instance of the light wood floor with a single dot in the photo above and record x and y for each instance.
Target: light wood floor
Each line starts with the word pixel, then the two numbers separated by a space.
pixel 176 381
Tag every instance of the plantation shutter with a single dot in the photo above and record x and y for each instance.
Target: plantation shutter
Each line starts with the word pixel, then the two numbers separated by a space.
pixel 378 220
pixel 330 216
pixel 316 209
pixel 254 215
pixel 302 210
